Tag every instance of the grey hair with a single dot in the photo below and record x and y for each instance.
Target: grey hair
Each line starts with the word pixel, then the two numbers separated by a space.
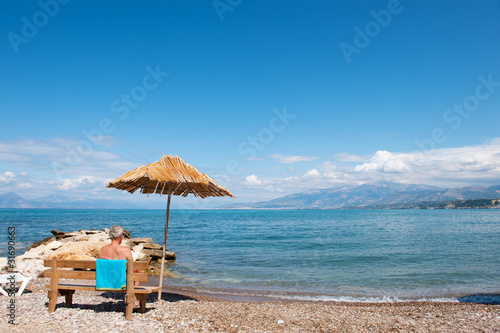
pixel 115 231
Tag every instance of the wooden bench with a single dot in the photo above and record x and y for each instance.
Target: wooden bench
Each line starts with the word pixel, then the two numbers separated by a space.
pixel 85 270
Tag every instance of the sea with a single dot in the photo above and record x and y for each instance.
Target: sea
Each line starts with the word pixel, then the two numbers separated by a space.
pixel 308 255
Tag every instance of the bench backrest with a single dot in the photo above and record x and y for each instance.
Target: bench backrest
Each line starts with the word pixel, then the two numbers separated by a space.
pixel 85 269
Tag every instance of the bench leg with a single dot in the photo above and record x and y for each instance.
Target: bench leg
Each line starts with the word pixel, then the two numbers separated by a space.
pixel 52 300
pixel 142 302
pixel 128 311
pixel 68 294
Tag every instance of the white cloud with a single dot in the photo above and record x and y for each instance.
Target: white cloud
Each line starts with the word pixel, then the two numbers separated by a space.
pixel 252 181
pixel 447 167
pixel 346 157
pixel 312 173
pixel 289 159
pixel 384 161
pixel 64 158
pixel 6 177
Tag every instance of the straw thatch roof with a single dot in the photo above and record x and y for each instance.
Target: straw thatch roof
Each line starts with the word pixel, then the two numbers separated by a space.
pixel 169 173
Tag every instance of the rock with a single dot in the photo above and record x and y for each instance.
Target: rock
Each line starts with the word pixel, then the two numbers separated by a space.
pixel 58 233
pixel 101 237
pixel 126 234
pixel 155 254
pixel 34 253
pixel 42 242
pixel 61 234
pixel 3 263
pixel 155 269
pixel 83 250
pixel 141 240
pixel 33 268
pixel 152 246
pixel 80 238
pixel 54 245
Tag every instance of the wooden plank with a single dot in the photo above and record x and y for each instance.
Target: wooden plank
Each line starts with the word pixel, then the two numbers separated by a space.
pixel 76 287
pixel 140 277
pixel 140 265
pixel 80 264
pixel 81 275
pixel 90 264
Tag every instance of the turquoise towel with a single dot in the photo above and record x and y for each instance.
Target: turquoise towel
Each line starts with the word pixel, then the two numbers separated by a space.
pixel 110 274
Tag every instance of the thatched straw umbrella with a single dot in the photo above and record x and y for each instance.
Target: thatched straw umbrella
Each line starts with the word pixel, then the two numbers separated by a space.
pixel 169 175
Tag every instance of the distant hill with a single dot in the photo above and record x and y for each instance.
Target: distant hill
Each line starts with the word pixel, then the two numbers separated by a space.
pixel 454 204
pixel 381 195
pixel 12 200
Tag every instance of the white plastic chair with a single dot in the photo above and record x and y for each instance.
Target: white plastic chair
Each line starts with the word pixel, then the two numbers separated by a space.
pixel 4 278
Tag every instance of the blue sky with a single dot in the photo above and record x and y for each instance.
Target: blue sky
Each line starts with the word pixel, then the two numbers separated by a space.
pixel 266 97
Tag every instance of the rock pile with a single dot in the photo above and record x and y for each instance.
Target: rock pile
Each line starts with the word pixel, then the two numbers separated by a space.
pixel 85 245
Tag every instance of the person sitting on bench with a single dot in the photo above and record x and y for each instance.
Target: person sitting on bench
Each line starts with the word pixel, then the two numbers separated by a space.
pixel 114 250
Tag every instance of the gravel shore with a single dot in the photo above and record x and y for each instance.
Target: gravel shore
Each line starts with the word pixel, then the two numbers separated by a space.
pixel 104 312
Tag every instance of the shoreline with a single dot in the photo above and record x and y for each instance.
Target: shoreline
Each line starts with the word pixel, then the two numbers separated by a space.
pixel 266 296
pixel 181 312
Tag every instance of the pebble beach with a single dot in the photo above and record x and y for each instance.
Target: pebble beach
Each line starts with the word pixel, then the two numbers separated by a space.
pixel 104 312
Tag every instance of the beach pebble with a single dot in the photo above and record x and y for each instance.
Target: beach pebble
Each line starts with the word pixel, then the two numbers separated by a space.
pixel 104 312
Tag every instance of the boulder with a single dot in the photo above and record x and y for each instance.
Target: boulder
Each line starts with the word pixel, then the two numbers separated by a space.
pixel 42 242
pixel 33 268
pixel 152 246
pixel 157 254
pixel 80 238
pixel 101 237
pixel 58 233
pixel 34 253
pixel 141 240
pixel 3 263
pixel 83 250
pixel 54 245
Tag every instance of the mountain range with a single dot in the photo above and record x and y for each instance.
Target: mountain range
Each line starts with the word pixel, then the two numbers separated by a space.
pixel 380 195
pixel 12 200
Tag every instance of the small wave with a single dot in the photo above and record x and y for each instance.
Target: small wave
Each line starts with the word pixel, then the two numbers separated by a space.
pixel 364 299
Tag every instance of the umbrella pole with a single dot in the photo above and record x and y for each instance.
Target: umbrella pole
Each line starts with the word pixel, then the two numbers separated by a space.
pixel 164 245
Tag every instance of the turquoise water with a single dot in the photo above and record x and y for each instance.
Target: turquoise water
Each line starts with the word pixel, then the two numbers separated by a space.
pixel 372 255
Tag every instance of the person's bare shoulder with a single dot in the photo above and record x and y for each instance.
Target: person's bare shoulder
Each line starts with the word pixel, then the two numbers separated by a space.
pixel 103 253
pixel 125 252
